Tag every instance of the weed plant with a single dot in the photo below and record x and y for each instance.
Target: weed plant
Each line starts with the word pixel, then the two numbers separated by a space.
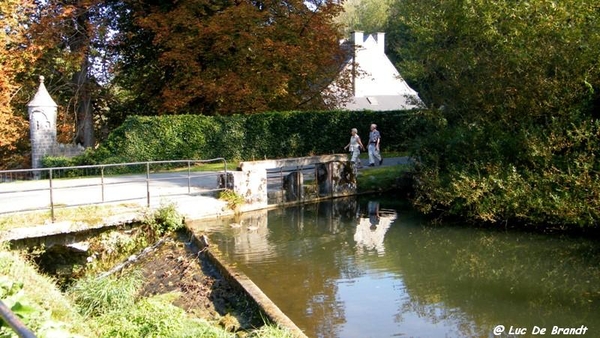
pixel 43 309
pixel 164 219
pixel 99 296
pixel 232 198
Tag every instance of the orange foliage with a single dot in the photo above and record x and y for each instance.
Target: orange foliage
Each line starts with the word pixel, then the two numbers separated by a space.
pixel 15 55
pixel 241 56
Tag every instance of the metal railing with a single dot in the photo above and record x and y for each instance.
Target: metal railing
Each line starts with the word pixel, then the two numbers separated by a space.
pixel 14 322
pixel 24 190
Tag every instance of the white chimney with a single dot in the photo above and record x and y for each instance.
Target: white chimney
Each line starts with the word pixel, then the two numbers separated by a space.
pixel 357 38
pixel 381 42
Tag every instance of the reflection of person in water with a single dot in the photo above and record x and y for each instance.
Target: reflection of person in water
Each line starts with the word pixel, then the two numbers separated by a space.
pixel 371 230
pixel 373 208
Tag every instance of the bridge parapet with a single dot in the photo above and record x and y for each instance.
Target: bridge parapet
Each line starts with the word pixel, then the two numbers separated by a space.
pixel 329 176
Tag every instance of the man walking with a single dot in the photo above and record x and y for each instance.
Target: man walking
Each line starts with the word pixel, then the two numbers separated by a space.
pixel 374 139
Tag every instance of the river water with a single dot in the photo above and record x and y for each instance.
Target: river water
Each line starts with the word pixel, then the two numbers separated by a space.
pixel 372 267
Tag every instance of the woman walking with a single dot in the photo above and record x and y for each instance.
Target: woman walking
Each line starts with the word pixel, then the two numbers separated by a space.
pixel 355 145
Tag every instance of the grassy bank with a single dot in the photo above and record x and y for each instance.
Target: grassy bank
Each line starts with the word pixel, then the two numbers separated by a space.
pixel 94 304
pixel 98 307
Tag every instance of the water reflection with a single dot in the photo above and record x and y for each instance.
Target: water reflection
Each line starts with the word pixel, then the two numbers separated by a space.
pixel 373 268
pixel 371 229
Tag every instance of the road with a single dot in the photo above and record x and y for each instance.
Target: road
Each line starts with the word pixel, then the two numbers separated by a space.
pixel 160 187
pixel 36 194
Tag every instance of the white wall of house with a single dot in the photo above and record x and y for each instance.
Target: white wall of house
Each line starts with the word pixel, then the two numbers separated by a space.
pixel 377 84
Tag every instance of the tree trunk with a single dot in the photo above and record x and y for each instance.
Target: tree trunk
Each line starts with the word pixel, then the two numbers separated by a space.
pixel 81 83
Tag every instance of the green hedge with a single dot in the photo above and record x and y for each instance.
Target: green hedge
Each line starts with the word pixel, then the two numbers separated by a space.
pixel 530 176
pixel 247 137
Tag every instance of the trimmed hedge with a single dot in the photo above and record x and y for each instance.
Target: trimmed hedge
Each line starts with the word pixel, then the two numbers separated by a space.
pixel 247 137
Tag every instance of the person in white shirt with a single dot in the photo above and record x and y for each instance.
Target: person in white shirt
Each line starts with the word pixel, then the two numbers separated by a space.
pixel 354 146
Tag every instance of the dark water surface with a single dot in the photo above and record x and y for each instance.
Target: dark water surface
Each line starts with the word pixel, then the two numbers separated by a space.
pixel 337 270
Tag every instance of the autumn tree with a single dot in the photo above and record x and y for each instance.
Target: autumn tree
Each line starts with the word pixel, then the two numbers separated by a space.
pixel 15 55
pixel 75 38
pixel 224 57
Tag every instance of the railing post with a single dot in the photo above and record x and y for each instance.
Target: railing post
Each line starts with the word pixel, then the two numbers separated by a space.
pixel 189 178
pixel 13 321
pixel 51 196
pixel 226 176
pixel 148 183
pixel 102 181
pixel 298 184
pixel 330 177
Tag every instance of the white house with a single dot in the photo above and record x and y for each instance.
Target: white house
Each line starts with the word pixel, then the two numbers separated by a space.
pixel 376 83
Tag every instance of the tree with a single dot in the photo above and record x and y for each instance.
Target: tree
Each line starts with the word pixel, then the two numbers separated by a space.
pixel 224 57
pixel 74 36
pixel 516 84
pixel 370 16
pixel 498 59
pixel 15 55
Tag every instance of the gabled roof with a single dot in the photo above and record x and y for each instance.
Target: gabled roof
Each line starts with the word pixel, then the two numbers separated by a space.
pixel 377 84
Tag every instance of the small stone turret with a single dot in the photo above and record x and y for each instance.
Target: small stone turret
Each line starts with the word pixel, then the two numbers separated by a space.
pixel 42 124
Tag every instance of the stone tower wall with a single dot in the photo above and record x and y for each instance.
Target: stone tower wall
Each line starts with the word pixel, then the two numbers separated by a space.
pixel 42 129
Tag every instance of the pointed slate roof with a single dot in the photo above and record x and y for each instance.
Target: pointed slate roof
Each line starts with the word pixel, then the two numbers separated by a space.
pixel 42 98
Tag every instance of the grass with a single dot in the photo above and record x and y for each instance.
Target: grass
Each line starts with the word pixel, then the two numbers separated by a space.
pixel 101 307
pixel 51 309
pixel 380 178
pixel 365 155
pixel 92 215
pixel 200 167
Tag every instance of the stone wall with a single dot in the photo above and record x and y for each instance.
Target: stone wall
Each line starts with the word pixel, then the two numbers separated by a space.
pixel 335 176
pixel 66 150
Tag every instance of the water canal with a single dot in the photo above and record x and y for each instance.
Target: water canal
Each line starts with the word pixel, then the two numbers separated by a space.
pixel 338 270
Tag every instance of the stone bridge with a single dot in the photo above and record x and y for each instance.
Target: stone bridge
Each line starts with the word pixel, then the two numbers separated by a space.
pixel 300 179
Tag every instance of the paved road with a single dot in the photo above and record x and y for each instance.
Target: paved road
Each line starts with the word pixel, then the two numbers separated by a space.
pixel 34 195
pixel 161 187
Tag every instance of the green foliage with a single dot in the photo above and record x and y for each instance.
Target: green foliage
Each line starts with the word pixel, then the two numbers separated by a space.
pixel 111 304
pixel 541 176
pixel 165 219
pixel 248 137
pixel 233 200
pixel 12 296
pixel 155 317
pixel 31 315
pixel 370 16
pixel 98 296
pixel 516 83
pixel 499 60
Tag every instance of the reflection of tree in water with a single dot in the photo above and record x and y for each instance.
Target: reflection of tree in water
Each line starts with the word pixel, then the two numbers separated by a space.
pixel 476 278
pixel 308 243
pixel 462 280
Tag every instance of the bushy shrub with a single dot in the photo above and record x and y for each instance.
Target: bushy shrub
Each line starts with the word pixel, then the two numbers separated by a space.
pixel 165 219
pixel 536 175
